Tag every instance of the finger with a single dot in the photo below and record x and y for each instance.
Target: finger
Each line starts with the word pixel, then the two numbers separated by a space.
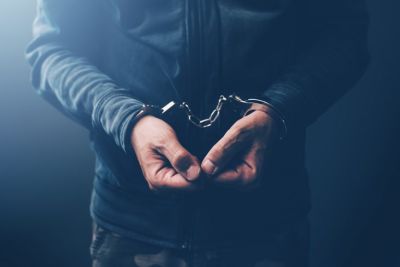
pixel 159 174
pixel 246 172
pixel 150 162
pixel 181 160
pixel 253 163
pixel 230 177
pixel 225 149
pixel 168 179
pixel 242 177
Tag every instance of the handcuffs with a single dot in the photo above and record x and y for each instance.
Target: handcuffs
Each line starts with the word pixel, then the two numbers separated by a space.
pixel 171 111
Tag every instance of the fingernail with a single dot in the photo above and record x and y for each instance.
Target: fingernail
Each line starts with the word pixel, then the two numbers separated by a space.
pixel 192 173
pixel 209 167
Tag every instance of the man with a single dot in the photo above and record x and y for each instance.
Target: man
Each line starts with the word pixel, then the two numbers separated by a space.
pixel 171 189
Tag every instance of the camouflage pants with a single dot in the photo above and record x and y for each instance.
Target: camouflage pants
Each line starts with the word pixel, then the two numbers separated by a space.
pixel 111 250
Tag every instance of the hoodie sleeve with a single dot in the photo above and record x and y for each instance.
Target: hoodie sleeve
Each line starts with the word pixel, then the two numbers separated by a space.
pixel 64 72
pixel 332 59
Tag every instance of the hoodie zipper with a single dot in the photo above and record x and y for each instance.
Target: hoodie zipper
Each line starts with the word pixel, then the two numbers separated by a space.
pixel 194 66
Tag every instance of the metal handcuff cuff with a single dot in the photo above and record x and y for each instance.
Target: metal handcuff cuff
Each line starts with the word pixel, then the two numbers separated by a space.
pixel 239 105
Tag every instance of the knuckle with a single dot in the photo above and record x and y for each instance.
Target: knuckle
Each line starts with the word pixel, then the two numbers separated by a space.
pixel 157 185
pixel 249 178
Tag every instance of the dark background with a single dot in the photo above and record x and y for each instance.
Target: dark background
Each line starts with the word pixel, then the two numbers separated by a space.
pixel 46 166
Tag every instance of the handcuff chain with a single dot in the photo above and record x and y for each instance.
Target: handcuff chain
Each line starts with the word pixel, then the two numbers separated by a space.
pixel 208 122
pixel 234 100
pixel 237 104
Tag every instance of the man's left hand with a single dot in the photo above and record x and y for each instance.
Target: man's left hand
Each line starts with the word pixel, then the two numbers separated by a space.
pixel 238 157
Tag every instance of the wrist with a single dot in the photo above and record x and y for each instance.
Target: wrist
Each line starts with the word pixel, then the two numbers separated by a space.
pixel 277 120
pixel 142 121
pixel 147 110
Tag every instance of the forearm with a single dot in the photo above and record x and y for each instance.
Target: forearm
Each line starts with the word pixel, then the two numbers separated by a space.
pixel 81 91
pixel 65 74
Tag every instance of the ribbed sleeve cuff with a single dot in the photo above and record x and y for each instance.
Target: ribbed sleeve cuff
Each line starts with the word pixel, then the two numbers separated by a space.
pixel 114 114
pixel 288 100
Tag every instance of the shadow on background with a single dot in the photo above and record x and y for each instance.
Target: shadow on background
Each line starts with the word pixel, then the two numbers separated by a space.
pixel 46 165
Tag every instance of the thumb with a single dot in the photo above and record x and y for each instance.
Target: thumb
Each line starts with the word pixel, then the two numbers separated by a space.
pixel 224 150
pixel 181 160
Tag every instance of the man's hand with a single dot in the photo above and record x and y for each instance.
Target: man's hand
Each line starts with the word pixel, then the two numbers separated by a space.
pixel 166 165
pixel 237 159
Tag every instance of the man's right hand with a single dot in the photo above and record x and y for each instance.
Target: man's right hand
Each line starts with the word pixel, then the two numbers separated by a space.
pixel 165 163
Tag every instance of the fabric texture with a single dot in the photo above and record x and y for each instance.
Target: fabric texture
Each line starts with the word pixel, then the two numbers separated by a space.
pixel 98 61
pixel 287 249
